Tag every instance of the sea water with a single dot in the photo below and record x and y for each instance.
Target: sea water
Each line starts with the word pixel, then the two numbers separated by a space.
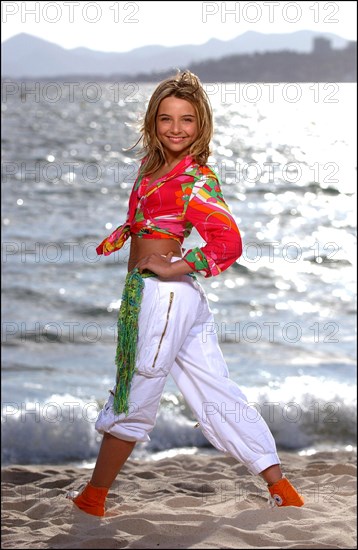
pixel 285 312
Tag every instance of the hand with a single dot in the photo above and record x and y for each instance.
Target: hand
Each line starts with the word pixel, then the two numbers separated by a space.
pixel 157 263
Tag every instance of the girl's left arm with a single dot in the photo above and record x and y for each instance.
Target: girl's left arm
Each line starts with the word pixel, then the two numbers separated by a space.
pixel 208 212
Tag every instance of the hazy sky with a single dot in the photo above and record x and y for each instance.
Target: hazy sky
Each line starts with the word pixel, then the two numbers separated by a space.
pixel 122 26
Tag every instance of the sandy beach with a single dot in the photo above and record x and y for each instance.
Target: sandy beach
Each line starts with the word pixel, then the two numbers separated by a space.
pixel 187 501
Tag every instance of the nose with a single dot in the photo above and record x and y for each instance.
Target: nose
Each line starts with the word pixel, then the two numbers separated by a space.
pixel 175 127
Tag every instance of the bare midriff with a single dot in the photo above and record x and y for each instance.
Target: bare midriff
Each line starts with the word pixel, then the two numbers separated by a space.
pixel 142 247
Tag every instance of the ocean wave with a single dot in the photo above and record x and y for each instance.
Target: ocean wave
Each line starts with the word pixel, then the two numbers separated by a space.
pixel 61 429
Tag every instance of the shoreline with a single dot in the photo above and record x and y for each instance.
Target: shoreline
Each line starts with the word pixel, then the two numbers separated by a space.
pixel 184 501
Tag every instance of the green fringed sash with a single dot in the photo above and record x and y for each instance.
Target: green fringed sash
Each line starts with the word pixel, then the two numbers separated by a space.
pixel 127 337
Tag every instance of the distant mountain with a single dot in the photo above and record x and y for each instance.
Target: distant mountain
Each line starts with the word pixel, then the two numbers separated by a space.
pixel 324 64
pixel 27 56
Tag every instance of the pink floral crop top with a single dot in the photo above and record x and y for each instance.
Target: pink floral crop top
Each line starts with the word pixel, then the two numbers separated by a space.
pixel 188 196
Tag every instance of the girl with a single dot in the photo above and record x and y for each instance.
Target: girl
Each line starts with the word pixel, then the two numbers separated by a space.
pixel 164 310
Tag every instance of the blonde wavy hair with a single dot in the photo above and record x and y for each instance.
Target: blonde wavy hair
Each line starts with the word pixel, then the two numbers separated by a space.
pixel 184 85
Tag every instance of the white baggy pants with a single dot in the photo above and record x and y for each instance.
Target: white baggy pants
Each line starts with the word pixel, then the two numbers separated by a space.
pixel 175 337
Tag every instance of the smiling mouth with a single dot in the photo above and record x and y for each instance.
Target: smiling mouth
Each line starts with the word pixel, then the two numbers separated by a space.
pixel 176 139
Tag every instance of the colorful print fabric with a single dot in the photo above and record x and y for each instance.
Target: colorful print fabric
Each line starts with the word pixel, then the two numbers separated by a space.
pixel 188 196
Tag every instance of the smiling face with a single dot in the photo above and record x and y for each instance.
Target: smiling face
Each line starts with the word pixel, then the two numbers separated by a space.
pixel 176 127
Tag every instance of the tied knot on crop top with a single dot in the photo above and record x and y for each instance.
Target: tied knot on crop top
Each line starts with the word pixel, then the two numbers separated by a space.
pixel 188 196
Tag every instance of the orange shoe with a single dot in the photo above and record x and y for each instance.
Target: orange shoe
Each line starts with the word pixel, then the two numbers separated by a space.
pixel 91 500
pixel 284 494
